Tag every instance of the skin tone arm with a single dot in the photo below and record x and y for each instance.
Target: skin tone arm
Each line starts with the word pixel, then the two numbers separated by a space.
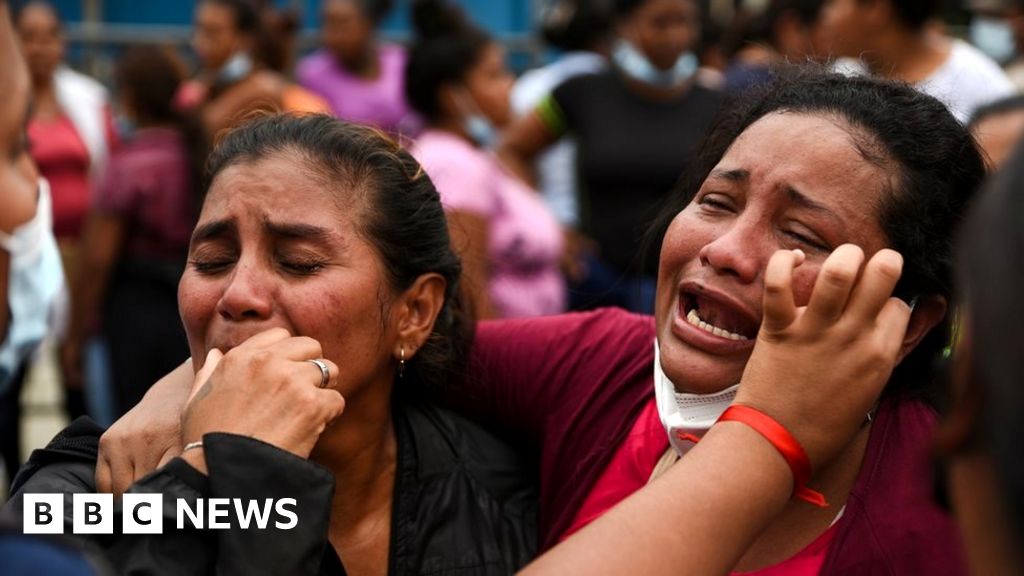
pixel 521 143
pixel 702 515
pixel 17 177
pixel 262 90
pixel 101 245
pixel 469 238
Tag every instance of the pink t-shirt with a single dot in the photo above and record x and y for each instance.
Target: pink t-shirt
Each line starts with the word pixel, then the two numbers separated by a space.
pixel 378 102
pixel 525 241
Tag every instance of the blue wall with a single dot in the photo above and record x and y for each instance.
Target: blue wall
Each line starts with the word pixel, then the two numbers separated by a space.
pixel 502 17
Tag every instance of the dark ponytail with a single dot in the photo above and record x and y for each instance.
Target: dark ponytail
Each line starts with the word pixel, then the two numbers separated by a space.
pixel 447 46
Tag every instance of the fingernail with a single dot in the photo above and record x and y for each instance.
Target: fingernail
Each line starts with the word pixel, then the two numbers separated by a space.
pixel 800 256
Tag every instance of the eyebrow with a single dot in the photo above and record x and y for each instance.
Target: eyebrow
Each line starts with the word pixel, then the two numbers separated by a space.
pixel 735 175
pixel 295 231
pixel 213 230
pixel 804 202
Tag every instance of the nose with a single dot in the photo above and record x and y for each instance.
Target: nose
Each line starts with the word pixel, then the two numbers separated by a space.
pixel 247 296
pixel 738 252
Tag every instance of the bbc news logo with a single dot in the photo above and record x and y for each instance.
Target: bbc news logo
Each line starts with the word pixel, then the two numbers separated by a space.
pixel 144 514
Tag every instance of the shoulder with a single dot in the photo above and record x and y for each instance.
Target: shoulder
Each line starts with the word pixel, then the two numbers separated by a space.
pixel 892 518
pixel 66 465
pixel 443 154
pixel 66 78
pixel 315 63
pixel 606 326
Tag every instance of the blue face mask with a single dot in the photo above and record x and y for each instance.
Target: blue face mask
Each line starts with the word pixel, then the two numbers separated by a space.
pixel 237 67
pixel 994 37
pixel 481 131
pixel 35 282
pixel 477 126
pixel 634 64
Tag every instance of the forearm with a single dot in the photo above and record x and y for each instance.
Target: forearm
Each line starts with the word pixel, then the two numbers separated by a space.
pixel 698 518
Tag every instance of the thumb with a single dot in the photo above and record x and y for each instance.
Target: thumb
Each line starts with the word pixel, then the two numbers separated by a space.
pixel 213 358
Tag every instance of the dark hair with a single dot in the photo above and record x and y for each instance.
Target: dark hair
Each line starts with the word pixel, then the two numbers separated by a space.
pixel 1002 106
pixel 577 24
pixel 447 47
pixel 404 220
pixel 152 76
pixel 758 28
pixel 18 9
pixel 373 10
pixel 991 267
pixel 935 167
pixel 914 14
pixel 245 13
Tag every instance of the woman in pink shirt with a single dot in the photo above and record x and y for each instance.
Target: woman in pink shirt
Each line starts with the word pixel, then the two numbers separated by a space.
pixel 361 79
pixel 510 242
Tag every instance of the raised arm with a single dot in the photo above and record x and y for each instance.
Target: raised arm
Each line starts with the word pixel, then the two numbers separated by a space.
pixel 815 370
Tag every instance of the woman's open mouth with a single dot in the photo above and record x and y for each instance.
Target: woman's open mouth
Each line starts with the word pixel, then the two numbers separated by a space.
pixel 712 321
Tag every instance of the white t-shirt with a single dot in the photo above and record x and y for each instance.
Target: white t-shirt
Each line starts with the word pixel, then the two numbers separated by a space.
pixel 967 80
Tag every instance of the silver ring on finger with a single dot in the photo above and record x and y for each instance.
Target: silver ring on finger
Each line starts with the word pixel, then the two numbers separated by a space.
pixel 325 372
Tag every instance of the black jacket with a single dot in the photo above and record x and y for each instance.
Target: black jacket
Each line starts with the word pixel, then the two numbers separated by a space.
pixel 464 503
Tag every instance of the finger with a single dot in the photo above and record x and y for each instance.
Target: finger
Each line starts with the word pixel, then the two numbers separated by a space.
pixel 266 338
pixel 892 324
pixel 298 348
pixel 876 285
pixel 103 477
pixel 332 370
pixel 122 475
pixel 779 308
pixel 333 404
pixel 213 358
pixel 834 284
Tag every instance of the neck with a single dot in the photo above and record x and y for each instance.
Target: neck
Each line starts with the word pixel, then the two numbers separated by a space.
pixel 655 93
pixel 361 451
pixel 452 126
pixel 909 56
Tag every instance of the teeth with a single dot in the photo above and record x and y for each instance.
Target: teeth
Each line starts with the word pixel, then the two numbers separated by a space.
pixel 694 319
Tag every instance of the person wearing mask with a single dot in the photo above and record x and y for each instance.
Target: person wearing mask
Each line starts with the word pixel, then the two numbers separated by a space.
pixel 510 242
pixel 637 126
pixel 897 39
pixel 362 79
pixel 997 29
pixel 232 81
pixel 581 30
pixel 137 233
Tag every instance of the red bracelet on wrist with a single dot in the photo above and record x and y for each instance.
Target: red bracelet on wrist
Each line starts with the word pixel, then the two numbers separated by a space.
pixel 791 450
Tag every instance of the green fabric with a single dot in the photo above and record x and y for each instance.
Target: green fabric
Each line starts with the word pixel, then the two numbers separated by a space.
pixel 551 115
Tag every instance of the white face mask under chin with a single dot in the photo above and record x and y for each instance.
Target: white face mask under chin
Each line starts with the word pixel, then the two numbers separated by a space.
pixel 686 416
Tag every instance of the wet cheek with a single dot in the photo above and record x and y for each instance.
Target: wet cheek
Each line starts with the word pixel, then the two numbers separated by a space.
pixel 197 304
pixel 803 284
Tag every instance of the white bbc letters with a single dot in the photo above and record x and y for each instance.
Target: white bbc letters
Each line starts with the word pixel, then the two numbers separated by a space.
pixel 142 513
pixel 93 513
pixel 43 514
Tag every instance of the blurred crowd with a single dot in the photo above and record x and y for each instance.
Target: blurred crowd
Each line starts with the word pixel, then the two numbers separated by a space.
pixel 549 179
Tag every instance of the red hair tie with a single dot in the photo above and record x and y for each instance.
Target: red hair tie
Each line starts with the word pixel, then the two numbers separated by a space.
pixel 791 450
